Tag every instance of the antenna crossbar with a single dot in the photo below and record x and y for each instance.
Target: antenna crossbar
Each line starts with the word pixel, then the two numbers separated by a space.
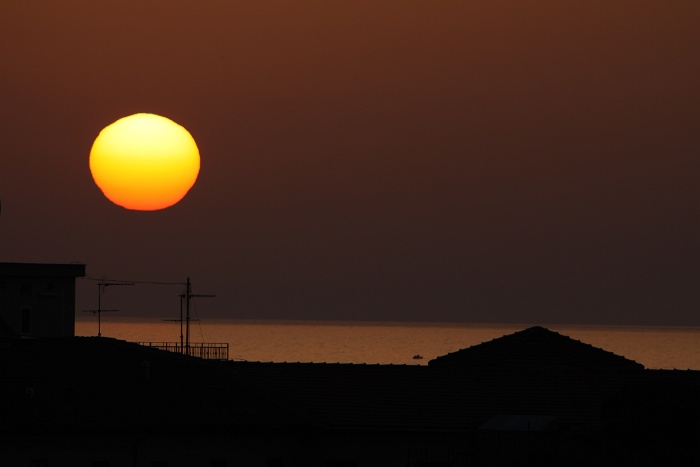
pixel 101 286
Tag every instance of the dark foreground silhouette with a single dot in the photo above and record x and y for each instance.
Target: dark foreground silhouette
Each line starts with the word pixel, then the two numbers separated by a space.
pixel 534 397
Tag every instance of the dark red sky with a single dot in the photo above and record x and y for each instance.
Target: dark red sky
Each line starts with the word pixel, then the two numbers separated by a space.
pixel 520 161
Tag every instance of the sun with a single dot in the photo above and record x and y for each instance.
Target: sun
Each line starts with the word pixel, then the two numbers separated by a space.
pixel 144 162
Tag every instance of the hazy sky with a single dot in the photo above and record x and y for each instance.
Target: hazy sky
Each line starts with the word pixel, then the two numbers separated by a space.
pixel 502 161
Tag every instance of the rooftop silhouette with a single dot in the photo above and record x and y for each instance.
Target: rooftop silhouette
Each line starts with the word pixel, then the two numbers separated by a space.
pixel 535 390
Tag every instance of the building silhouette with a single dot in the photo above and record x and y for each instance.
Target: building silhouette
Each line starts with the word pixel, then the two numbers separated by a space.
pixel 39 299
pixel 534 397
pixel 531 398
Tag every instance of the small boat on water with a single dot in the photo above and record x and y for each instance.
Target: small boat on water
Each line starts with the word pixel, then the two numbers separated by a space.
pixel 417 357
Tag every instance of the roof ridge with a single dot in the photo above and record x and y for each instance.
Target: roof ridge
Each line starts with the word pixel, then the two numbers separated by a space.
pixel 536 346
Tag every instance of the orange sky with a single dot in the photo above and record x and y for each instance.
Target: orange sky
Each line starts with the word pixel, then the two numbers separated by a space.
pixel 529 161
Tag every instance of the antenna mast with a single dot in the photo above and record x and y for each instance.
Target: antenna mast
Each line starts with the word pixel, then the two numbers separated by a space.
pixel 100 290
pixel 188 296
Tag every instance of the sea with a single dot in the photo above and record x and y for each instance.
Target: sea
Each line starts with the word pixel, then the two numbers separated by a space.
pixel 393 343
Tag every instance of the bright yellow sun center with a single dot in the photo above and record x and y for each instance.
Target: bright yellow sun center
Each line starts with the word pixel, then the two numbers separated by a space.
pixel 144 162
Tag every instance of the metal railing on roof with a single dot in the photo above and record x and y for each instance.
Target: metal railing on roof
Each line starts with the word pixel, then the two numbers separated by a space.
pixel 205 350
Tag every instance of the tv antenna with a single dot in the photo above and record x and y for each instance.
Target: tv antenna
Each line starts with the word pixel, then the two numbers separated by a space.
pixel 187 297
pixel 101 286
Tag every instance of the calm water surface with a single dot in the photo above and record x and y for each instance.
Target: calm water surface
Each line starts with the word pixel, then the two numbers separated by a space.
pixel 397 343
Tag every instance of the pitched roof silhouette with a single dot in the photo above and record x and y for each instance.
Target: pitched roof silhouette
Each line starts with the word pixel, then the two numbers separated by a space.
pixel 536 347
pixel 532 376
pixel 534 380
pixel 527 375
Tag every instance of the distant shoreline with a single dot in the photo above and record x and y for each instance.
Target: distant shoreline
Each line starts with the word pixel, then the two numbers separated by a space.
pixel 450 324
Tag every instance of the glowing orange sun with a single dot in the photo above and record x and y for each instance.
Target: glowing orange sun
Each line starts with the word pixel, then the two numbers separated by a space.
pixel 144 162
